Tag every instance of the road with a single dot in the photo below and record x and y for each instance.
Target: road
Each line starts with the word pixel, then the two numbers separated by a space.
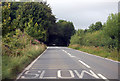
pixel 67 63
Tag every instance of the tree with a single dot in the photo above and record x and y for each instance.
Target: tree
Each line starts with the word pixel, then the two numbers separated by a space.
pixel 61 33
pixel 98 26
pixel 78 37
pixel 111 29
pixel 6 19
pixel 41 14
pixel 9 16
pixel 95 27
pixel 118 46
pixel 35 31
pixel 91 28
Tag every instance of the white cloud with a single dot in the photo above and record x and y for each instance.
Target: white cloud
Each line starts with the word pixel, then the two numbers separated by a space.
pixel 83 12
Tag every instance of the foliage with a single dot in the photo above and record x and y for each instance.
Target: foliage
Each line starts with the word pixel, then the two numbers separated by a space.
pixel 77 38
pixel 25 27
pixel 12 66
pixel 36 31
pixel 8 17
pixel 18 50
pixel 14 42
pixel 0 29
pixel 36 18
pixel 111 29
pixel 100 51
pixel 95 27
pixel 99 35
pixel 61 33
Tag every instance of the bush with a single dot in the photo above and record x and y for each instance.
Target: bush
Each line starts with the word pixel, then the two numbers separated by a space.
pixel 14 42
pixel 18 50
pixel 106 36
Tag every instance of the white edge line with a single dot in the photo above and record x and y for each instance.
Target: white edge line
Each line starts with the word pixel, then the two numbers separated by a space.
pixel 28 67
pixel 84 64
pixel 96 56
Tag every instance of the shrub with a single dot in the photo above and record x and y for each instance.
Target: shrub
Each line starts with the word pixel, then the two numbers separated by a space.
pixel 14 42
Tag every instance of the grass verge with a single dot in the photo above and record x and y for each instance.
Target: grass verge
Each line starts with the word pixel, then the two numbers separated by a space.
pixel 12 66
pixel 99 51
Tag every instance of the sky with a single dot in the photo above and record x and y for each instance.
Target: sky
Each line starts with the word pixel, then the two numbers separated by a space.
pixel 83 12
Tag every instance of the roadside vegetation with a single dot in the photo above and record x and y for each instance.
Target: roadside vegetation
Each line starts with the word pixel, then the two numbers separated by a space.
pixel 20 45
pixel 20 51
pixel 102 40
pixel 99 51
pixel 27 27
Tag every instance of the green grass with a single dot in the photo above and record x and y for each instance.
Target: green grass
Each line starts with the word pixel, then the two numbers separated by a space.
pixel 12 66
pixel 99 51
pixel 0 58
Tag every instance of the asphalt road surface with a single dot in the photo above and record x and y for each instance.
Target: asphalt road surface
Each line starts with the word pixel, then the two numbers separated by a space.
pixel 67 63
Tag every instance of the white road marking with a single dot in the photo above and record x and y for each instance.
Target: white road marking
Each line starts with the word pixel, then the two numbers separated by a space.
pixel 53 47
pixel 49 78
pixel 79 60
pixel 42 74
pixel 64 51
pixel 22 77
pixel 60 75
pixel 100 75
pixel 84 71
pixel 76 57
pixel 96 56
pixel 28 67
pixel 84 64
pixel 39 71
pixel 72 56
pixel 31 74
pixel 68 53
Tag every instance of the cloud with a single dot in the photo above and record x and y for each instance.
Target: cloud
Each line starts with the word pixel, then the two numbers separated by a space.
pixel 83 12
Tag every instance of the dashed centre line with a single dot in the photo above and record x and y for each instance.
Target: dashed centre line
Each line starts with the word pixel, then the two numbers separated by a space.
pixel 68 53
pixel 84 64
pixel 78 60
pixel 59 73
pixel 93 74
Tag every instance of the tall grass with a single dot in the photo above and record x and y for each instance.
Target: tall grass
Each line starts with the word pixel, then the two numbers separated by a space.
pixel 99 51
pixel 11 66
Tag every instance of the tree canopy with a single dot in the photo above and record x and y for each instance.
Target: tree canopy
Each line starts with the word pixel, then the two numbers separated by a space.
pixel 61 33
pixel 37 20
pixel 95 27
pixel 100 35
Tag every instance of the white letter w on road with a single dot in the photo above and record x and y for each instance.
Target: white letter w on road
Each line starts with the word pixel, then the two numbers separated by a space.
pixel 91 73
